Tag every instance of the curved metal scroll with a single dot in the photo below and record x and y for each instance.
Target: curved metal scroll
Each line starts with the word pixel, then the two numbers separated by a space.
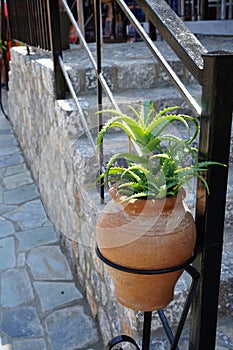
pixel 121 339
pixel 173 339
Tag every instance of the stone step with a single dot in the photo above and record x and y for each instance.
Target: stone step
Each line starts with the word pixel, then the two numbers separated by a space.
pixel 161 97
pixel 125 66
pixel 132 65
pixel 71 121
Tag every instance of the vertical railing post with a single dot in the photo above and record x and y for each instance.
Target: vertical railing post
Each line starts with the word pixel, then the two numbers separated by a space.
pixel 4 36
pixel 203 9
pixel 98 37
pixel 56 46
pixel 216 119
pixel 2 24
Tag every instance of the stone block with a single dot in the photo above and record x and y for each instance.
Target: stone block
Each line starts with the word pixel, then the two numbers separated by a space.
pixel 77 76
pixel 6 228
pixel 108 74
pixel 72 328
pixel 54 294
pixel 135 75
pixel 29 344
pixel 21 322
pixel 36 237
pixel 7 253
pixel 48 263
pixel 29 215
pixel 21 195
pixel 91 300
pixel 16 288
pixel 17 180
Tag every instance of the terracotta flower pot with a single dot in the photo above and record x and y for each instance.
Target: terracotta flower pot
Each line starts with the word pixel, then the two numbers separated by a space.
pixel 146 234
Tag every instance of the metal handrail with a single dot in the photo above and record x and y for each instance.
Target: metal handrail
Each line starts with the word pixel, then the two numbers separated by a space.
pixel 99 75
pixel 91 57
pixel 173 76
pixel 182 41
pixel 155 51
pixel 101 81
pixel 83 119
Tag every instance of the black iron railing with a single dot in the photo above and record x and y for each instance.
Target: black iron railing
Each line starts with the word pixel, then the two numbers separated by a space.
pixel 214 72
pixel 172 337
pixel 29 22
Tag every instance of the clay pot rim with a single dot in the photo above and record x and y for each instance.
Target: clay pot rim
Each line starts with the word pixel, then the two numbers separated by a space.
pixel 167 203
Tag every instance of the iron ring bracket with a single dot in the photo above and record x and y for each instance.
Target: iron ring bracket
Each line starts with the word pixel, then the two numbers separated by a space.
pixel 144 272
pixel 173 338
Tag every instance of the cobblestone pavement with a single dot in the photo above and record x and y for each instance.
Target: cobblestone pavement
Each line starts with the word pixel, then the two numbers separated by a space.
pixel 41 308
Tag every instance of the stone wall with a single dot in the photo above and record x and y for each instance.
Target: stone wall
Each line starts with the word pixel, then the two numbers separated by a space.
pixel 48 134
pixel 64 166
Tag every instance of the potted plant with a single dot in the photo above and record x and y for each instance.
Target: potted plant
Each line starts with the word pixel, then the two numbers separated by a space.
pixel 146 225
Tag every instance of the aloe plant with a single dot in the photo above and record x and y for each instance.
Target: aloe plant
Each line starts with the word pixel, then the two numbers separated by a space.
pixel 158 170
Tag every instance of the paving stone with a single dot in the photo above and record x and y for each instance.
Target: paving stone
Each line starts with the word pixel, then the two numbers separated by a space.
pixel 18 180
pixel 15 288
pixel 8 140
pixel 5 151
pixel 71 329
pixel 14 159
pixel 7 136
pixel 29 344
pixel 5 131
pixel 29 215
pixel 48 263
pixel 21 322
pixel 4 127
pixel 6 208
pixel 7 253
pixel 37 237
pixel 54 294
pixel 6 228
pixel 1 193
pixel 15 169
pixel 21 194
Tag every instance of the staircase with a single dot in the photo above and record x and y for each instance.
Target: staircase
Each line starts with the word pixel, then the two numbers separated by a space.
pixel 131 72
pixel 134 76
